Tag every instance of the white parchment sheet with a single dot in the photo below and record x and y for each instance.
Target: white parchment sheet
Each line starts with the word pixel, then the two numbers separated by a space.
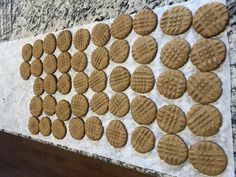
pixel 15 96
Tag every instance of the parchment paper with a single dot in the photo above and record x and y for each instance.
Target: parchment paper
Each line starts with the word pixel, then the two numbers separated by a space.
pixel 16 94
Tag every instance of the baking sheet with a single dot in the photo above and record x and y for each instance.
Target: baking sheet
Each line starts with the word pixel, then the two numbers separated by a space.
pixel 15 96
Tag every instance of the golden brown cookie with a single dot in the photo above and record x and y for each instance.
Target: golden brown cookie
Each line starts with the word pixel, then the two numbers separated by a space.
pixel 50 84
pixel 64 84
pixel 121 26
pixel 49 43
pixel 145 22
pixel 204 87
pixel 81 39
pixel 36 106
pixel 101 34
pixel 100 58
pixel 38 86
pixel 45 126
pixel 204 120
pixel 63 62
pixel 50 64
pixel 176 20
pixel 58 129
pixel 64 40
pixel 98 81
pixel 93 128
pixel 171 119
pixel 119 51
pixel 81 82
pixel 144 49
pixel 172 149
pixel 142 79
pixel 77 128
pixel 142 139
pixel 208 158
pixel 171 84
pixel 119 104
pixel 79 61
pixel 99 103
pixel 211 19
pixel 27 52
pixel 143 110
pixel 208 54
pixel 25 70
pixel 79 105
pixel 175 53
pixel 119 79
pixel 63 110
pixel 38 48
pixel 49 105
pixel 116 134
pixel 36 67
pixel 33 125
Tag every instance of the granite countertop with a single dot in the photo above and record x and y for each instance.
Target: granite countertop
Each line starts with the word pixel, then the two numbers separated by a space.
pixel 20 19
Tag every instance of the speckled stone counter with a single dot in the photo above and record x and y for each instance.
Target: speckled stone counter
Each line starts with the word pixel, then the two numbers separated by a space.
pixel 20 19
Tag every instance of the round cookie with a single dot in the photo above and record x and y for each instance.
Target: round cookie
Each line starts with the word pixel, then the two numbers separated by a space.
pixel 143 110
pixel 79 105
pixel 208 158
pixel 101 34
pixel 63 110
pixel 64 40
pixel 144 49
pixel 100 58
pixel 38 86
pixel 94 128
pixel 81 39
pixel 119 51
pixel 25 70
pixel 81 82
pixel 208 54
pixel 38 48
pixel 121 26
pixel 99 103
pixel 119 79
pixel 33 125
pixel 50 84
pixel 77 128
pixel 45 126
pixel 36 67
pixel 204 120
pixel 142 79
pixel 36 106
pixel 176 20
pixel 79 61
pixel 175 53
pixel 49 43
pixel 172 149
pixel 210 19
pixel 49 105
pixel 63 62
pixel 116 134
pixel 145 22
pixel 58 129
pixel 204 87
pixel 171 84
pixel 27 52
pixel 98 81
pixel 50 64
pixel 171 119
pixel 119 104
pixel 142 139
pixel 64 84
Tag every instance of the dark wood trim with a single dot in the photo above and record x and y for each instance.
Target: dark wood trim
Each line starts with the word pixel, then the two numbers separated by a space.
pixel 20 157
